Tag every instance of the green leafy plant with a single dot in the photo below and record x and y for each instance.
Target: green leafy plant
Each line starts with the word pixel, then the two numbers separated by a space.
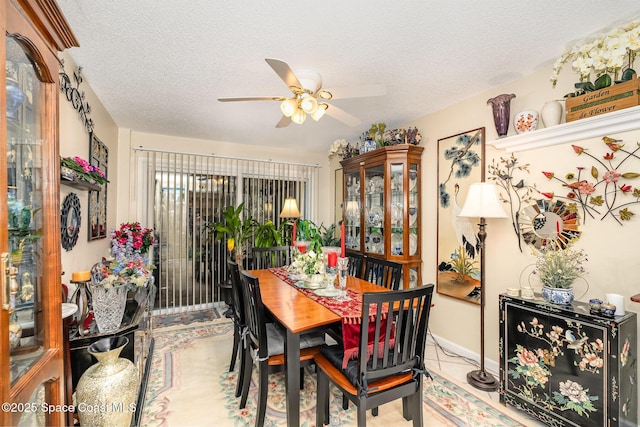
pixel 462 265
pixel 267 235
pixel 238 230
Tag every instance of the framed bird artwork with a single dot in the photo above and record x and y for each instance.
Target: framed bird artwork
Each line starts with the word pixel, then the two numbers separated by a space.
pixel 460 163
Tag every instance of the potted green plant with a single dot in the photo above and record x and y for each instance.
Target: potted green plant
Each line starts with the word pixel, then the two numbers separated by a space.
pixel 558 270
pixel 238 230
pixel 267 235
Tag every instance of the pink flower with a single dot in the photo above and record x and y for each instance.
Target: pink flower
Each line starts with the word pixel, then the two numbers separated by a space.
pixel 609 156
pixel 611 176
pixel 586 188
pixel 548 195
pixel 577 149
pixel 527 357
pixel 548 174
pixel 626 188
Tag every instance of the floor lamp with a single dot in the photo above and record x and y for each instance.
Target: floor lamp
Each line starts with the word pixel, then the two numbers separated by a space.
pixel 482 202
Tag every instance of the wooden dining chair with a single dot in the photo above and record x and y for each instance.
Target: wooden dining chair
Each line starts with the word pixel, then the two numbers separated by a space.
pixel 239 322
pixel 265 344
pixel 269 257
pixel 383 272
pixel 390 361
pixel 356 261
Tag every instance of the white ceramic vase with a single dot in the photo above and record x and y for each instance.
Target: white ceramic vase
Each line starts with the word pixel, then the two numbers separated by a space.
pixel 551 113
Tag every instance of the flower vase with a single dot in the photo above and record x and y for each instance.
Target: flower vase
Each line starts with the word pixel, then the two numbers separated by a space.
pixel 109 387
pixel 560 296
pixel 501 106
pixel 551 113
pixel 108 303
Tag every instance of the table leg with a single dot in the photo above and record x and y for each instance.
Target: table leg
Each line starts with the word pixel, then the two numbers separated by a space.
pixel 292 363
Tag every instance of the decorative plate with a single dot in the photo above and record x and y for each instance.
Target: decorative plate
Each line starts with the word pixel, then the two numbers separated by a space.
pixel 376 243
pixel 413 278
pixel 413 244
pixel 396 214
pixel 375 216
pixel 329 292
pixel 413 214
pixel 396 244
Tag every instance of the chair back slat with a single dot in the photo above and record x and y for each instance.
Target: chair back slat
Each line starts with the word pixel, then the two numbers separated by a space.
pixel 356 262
pixel 399 342
pixel 383 272
pixel 270 257
pixel 255 317
pixel 237 297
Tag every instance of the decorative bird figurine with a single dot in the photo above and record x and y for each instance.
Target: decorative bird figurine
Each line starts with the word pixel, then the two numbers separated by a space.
pixel 576 185
pixel 465 233
pixel 575 344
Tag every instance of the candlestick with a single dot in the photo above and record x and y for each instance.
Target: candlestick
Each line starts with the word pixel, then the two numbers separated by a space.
pixel 332 259
pixel 342 240
pixel 293 237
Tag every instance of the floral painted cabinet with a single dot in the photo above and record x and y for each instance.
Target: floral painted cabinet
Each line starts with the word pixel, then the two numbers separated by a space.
pixel 567 367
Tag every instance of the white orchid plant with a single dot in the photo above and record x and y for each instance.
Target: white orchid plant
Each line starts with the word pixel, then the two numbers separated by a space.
pixel 602 54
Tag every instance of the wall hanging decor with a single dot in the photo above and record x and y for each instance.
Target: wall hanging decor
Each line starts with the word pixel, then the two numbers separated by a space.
pixel 549 224
pixel 460 163
pixel 513 190
pixel 99 157
pixel 70 221
pixel 602 184
pixel 74 96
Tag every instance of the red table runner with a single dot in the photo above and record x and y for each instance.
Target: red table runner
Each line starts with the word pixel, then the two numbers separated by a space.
pixel 349 311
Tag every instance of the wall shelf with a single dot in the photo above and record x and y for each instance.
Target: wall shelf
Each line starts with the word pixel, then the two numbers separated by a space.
pixel 598 126
pixel 80 184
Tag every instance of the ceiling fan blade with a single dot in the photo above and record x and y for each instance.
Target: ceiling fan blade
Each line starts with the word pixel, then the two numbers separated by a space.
pixel 284 122
pixel 253 98
pixel 342 116
pixel 357 91
pixel 284 71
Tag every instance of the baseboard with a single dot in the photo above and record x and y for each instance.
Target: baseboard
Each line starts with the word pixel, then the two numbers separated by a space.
pixel 490 366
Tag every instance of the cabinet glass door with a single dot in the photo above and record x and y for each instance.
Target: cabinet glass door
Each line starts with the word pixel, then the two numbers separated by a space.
pixel 414 206
pixel 374 209
pixel 397 209
pixel 352 211
pixel 22 264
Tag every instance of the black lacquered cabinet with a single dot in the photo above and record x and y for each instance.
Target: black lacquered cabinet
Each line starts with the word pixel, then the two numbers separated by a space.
pixel 567 367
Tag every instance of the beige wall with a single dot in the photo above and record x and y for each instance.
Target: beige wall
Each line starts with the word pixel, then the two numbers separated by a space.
pixel 74 141
pixel 613 263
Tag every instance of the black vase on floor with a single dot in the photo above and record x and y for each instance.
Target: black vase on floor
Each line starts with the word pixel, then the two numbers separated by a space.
pixel 501 105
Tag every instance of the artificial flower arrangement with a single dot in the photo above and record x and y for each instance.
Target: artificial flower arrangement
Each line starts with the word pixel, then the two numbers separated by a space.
pixel 603 54
pixel 83 169
pixel 308 263
pixel 560 268
pixel 130 246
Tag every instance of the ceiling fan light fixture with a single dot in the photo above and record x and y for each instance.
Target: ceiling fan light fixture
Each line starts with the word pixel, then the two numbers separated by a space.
pixel 322 108
pixel 288 107
pixel 298 116
pixel 308 103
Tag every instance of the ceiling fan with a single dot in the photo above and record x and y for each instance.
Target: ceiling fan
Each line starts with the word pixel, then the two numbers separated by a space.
pixel 308 98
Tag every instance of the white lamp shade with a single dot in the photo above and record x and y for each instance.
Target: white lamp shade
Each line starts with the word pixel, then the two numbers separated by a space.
pixel 308 103
pixel 317 115
pixel 288 107
pixel 290 208
pixel 298 116
pixel 482 202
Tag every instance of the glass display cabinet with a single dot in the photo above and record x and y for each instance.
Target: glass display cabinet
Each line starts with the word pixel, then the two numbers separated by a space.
pixel 382 206
pixel 31 321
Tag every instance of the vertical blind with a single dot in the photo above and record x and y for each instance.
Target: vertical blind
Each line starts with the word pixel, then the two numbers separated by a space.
pixel 180 194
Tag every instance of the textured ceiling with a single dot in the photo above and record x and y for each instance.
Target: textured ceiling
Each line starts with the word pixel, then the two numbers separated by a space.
pixel 159 66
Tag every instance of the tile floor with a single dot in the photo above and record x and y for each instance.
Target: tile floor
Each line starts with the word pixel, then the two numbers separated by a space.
pixel 457 367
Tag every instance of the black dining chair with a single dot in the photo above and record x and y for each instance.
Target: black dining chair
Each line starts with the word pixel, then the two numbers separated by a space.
pixel 356 261
pixel 269 257
pixel 239 322
pixel 383 272
pixel 265 345
pixel 390 365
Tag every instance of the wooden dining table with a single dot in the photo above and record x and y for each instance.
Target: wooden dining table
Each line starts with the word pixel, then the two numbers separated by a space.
pixel 299 314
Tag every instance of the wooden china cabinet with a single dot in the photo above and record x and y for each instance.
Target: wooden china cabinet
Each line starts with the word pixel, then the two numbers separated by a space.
pixel 382 207
pixel 31 361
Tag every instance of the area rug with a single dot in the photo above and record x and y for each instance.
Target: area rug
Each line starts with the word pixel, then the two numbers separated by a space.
pixel 190 384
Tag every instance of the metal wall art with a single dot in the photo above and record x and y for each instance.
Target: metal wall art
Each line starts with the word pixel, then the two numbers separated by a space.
pixel 98 156
pixel 74 95
pixel 460 163
pixel 70 221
